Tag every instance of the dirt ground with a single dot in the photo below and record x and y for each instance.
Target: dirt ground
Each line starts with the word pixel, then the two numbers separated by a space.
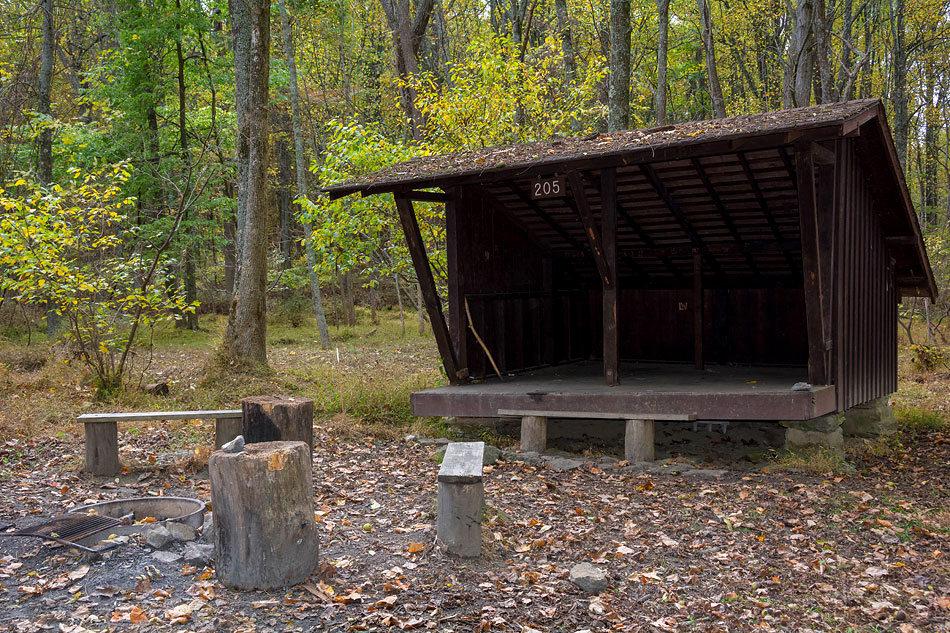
pixel 863 546
pixel 744 550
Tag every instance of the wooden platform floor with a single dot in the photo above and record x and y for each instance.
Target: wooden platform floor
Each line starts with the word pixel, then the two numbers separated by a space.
pixel 716 393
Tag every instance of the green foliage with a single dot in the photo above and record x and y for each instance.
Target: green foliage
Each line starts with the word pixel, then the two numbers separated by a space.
pixel 67 248
pixel 496 95
pixel 918 419
pixel 358 233
pixel 928 357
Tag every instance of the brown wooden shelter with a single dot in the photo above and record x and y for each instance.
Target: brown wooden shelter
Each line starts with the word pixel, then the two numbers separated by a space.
pixel 702 268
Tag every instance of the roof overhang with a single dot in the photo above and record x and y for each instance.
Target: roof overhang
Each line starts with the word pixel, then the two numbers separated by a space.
pixel 865 120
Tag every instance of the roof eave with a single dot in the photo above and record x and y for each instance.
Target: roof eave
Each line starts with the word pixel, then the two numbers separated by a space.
pixel 722 144
pixel 930 288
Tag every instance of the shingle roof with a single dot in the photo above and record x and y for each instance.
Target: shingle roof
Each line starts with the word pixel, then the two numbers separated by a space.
pixel 428 169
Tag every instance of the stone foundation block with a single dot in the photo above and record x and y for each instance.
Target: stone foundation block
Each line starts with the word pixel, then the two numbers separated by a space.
pixel 871 419
pixel 817 432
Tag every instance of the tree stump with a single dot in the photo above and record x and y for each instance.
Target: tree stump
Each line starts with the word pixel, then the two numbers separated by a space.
pixel 265 536
pixel 271 419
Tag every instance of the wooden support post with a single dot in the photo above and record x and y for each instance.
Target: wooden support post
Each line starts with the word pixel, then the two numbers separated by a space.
pixel 827 217
pixel 226 429
pixel 638 441
pixel 456 282
pixel 811 265
pixel 547 310
pixel 698 359
pixel 267 418
pixel 420 261
pixel 265 535
pixel 461 500
pixel 534 434
pixel 608 232
pixel 102 448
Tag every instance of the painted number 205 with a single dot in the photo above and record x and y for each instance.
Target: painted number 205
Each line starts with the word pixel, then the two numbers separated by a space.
pixel 547 187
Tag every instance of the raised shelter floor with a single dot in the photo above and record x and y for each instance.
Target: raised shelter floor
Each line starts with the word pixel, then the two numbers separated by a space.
pixel 715 393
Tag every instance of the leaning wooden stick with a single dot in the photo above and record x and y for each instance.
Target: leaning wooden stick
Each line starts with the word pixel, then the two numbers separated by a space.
pixel 468 313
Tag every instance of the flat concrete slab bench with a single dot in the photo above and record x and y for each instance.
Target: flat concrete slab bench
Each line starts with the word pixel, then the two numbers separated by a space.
pixel 102 432
pixel 638 435
pixel 461 499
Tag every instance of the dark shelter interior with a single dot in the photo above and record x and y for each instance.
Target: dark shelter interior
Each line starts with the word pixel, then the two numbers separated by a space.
pixel 698 268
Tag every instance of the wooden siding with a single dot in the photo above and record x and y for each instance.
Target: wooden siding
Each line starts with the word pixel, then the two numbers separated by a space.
pixel 865 289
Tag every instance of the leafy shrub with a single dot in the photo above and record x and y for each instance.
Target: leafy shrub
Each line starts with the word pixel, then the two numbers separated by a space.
pixel 928 357
pixel 293 310
pixel 69 248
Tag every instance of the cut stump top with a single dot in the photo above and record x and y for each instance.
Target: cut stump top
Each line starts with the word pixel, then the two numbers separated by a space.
pixel 263 451
pixel 462 463
pixel 276 400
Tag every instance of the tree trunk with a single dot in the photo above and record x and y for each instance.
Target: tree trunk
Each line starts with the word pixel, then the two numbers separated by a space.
pixel 268 419
pixel 230 247
pixel 284 196
pixel 349 298
pixel 930 150
pixel 662 58
pixel 44 149
pixel 188 320
pixel 265 536
pixel 44 144
pixel 804 60
pixel 823 21
pixel 374 299
pixel 567 41
pixel 712 71
pixel 420 308
pixel 618 81
pixel 402 312
pixel 899 95
pixel 301 169
pixel 239 11
pixel 845 84
pixel 245 338
pixel 407 35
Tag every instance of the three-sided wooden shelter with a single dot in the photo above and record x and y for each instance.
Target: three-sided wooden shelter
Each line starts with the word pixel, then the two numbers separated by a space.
pixel 699 269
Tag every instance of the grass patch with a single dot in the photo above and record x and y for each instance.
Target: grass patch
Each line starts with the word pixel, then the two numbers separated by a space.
pixel 819 460
pixel 373 397
pixel 917 419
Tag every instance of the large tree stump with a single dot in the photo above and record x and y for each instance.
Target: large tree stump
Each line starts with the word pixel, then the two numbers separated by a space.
pixel 265 536
pixel 270 419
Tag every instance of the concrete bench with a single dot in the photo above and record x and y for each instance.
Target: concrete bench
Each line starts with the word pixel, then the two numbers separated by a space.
pixel 102 433
pixel 461 499
pixel 638 436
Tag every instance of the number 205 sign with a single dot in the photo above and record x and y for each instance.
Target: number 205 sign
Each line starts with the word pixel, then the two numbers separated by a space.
pixel 548 187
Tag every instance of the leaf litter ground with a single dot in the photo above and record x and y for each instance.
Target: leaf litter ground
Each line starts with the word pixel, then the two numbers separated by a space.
pixel 757 550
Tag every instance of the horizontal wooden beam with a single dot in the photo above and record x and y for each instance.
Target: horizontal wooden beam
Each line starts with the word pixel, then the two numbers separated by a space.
pixel 143 416
pixel 592 415
pixel 425 196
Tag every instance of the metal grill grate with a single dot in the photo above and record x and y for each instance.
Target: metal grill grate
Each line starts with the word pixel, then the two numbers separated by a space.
pixel 69 528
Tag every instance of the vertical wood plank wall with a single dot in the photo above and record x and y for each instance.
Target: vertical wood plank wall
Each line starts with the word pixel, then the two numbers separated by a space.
pixel 866 298
pixel 533 308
